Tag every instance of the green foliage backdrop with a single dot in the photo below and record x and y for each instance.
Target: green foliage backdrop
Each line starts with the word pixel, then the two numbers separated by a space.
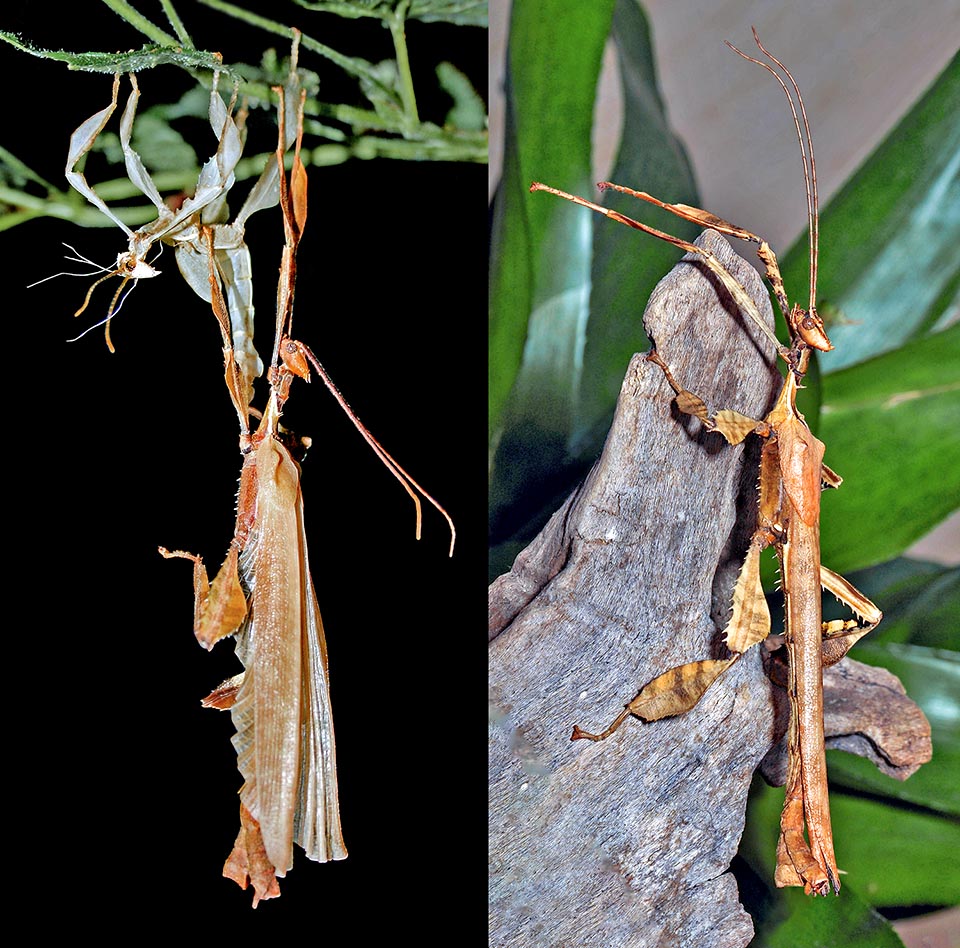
pixel 567 290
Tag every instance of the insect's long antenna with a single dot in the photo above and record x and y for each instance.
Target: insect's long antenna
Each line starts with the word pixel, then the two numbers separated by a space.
pixel 94 285
pixel 88 330
pixel 385 457
pixel 806 143
pixel 79 258
pixel 115 308
pixel 814 202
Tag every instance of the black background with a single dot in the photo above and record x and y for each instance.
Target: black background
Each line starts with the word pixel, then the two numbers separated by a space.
pixel 126 786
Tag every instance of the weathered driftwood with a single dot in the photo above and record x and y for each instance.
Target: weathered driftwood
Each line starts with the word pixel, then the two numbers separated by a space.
pixel 628 842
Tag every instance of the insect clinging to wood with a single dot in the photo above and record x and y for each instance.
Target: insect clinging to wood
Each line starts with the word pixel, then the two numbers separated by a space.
pixel 792 475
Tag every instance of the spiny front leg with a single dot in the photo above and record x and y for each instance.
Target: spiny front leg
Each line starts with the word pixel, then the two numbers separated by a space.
pixel 840 635
pixel 806 324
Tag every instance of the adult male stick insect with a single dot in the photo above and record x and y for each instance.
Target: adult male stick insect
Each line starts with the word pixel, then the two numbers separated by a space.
pixel 264 595
pixel 792 474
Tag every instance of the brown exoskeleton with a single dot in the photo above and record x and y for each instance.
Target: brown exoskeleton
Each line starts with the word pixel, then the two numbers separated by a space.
pixel 792 475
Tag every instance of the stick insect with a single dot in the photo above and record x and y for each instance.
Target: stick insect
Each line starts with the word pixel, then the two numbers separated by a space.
pixel 792 475
pixel 211 254
pixel 264 595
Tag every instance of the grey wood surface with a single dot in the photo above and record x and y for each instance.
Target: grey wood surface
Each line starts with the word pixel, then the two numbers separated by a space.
pixel 627 842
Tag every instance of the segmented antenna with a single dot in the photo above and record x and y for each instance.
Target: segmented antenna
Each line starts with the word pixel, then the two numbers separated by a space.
pixel 806 143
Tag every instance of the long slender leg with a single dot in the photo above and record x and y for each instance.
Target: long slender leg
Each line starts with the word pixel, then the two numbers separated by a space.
pixel 81 141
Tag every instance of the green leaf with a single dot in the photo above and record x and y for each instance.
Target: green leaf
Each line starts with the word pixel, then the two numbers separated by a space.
pixel 133 61
pixel 846 920
pixel 894 855
pixel 787 918
pixel 162 147
pixel 460 12
pixel 931 678
pixel 538 253
pixel 567 289
pixel 891 856
pixel 890 239
pixel 468 112
pixel 627 265
pixel 890 429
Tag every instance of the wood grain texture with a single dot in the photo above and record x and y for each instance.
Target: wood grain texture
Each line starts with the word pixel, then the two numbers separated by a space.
pixel 628 842
pixel 607 844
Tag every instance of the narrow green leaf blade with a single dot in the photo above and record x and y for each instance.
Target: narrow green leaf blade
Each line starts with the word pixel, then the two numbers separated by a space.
pixel 847 920
pixel 567 289
pixel 627 265
pixel 540 257
pixel 893 855
pixel 890 426
pixel 931 678
pixel 890 239
pixel 537 252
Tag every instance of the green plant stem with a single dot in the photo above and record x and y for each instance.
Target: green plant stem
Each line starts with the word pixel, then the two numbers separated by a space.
pixel 355 67
pixel 346 10
pixel 397 23
pixel 12 218
pixel 56 206
pixel 472 148
pixel 139 22
pixel 176 22
pixel 17 166
pixel 360 118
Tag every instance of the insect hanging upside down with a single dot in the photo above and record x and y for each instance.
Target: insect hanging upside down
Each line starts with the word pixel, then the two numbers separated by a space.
pixel 263 596
pixel 211 254
pixel 792 475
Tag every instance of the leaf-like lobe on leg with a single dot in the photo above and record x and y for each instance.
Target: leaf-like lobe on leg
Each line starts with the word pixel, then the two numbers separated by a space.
pixel 677 690
pixel 225 606
pixel 733 425
pixel 750 621
pixel 224 695
pixel 248 863
pixel 796 864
